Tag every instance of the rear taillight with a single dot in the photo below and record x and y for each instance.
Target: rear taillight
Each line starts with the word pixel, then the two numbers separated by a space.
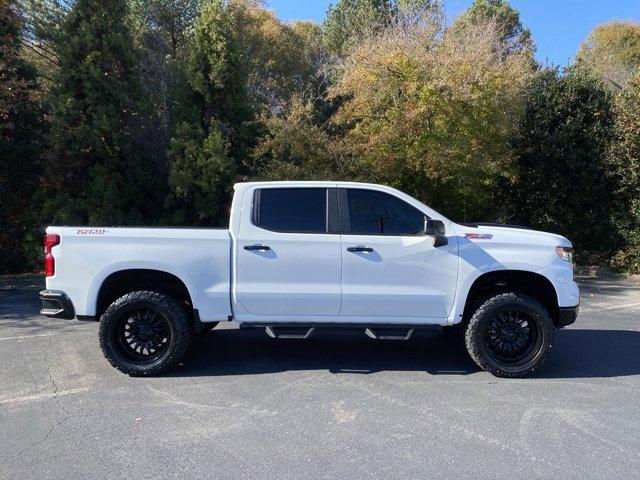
pixel 50 241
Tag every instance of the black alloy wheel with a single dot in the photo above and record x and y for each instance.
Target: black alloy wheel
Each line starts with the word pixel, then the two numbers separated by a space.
pixel 142 335
pixel 510 335
pixel 144 332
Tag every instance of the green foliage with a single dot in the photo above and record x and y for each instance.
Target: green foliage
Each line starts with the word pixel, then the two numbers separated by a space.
pixel 350 20
pixel 295 147
pixel 20 143
pixel 200 174
pixel 41 33
pixel 431 115
pixel 513 36
pixel 171 19
pixel 563 183
pixel 625 171
pixel 161 31
pixel 94 173
pixel 147 111
pixel 216 70
pixel 612 51
pixel 203 149
pixel 283 59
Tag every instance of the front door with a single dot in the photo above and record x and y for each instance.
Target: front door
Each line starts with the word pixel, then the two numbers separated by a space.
pixel 390 269
pixel 288 254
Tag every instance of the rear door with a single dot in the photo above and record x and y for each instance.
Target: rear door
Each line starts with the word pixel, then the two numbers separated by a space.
pixel 390 269
pixel 289 253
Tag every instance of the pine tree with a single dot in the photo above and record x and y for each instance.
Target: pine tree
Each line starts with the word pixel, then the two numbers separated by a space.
pixel 95 175
pixel 206 148
pixel 20 143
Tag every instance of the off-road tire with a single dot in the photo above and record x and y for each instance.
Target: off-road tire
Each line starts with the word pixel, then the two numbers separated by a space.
pixel 476 335
pixel 175 321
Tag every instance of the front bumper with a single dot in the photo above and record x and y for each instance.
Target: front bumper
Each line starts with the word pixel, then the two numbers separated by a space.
pixel 56 304
pixel 567 315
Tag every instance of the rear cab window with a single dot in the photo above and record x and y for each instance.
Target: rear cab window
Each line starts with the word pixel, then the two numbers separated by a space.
pixel 291 210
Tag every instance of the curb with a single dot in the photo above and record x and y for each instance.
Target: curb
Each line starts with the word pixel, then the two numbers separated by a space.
pixel 602 273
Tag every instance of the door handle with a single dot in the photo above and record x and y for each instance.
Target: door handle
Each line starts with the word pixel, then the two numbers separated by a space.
pixel 261 248
pixel 360 249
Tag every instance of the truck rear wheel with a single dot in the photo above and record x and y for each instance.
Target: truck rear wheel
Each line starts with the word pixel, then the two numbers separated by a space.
pixel 510 335
pixel 144 333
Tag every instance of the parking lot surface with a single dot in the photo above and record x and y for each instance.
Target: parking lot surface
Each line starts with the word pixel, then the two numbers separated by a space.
pixel 336 406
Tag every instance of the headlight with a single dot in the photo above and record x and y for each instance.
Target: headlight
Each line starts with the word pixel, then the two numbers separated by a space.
pixel 565 253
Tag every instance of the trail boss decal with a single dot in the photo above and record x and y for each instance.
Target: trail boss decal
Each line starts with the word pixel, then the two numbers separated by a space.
pixel 478 236
pixel 91 231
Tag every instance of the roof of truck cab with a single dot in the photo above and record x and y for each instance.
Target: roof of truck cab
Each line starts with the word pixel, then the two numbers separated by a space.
pixel 319 183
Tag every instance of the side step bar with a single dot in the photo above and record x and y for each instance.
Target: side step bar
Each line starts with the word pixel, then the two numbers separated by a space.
pixel 305 330
pixel 389 334
pixel 289 332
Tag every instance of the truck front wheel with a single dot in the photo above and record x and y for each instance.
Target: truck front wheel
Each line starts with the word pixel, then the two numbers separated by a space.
pixel 510 335
pixel 144 333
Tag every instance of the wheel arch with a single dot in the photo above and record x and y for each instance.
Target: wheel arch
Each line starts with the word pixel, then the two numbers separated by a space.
pixel 526 282
pixel 127 280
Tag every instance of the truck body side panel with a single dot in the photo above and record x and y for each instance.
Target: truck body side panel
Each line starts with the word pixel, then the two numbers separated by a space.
pixel 200 258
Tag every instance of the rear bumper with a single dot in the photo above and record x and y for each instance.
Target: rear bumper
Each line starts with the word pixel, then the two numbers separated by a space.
pixel 56 304
pixel 567 315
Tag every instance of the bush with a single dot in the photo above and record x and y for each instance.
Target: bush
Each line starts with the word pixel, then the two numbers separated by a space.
pixel 562 180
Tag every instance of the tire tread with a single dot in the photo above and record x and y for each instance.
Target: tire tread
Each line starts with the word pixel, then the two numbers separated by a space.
pixel 473 332
pixel 172 309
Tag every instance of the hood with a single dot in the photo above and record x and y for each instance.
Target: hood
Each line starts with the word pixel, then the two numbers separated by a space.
pixel 502 233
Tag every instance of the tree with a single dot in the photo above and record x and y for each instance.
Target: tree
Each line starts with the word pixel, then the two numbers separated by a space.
pixel 431 114
pixel 94 174
pixel 349 20
pixel 217 72
pixel 207 143
pixel 562 183
pixel 513 35
pixel 172 19
pixel 625 173
pixel 282 60
pixel 295 147
pixel 200 174
pixel 612 51
pixel 20 143
pixel 161 30
pixel 41 33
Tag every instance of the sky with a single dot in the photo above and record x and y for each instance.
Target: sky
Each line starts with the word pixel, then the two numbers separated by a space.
pixel 557 26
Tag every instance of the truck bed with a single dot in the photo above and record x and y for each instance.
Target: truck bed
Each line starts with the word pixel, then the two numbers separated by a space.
pixel 200 257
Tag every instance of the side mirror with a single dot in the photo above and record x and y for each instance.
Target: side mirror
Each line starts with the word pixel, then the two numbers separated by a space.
pixel 435 228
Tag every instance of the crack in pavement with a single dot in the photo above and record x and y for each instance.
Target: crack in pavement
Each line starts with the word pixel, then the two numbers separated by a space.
pixel 67 414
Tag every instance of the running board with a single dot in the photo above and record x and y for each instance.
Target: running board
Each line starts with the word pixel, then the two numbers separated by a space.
pixel 389 333
pixel 289 332
pixel 377 331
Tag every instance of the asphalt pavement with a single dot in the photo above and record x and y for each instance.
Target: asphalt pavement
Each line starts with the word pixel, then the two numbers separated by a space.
pixel 336 406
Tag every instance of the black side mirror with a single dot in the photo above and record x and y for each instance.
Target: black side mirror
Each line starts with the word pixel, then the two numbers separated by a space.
pixel 435 228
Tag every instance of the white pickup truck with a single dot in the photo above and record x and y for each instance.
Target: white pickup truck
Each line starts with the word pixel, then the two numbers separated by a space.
pixel 303 256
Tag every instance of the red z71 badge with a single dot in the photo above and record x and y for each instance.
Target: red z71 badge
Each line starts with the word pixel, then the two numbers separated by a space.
pixel 478 236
